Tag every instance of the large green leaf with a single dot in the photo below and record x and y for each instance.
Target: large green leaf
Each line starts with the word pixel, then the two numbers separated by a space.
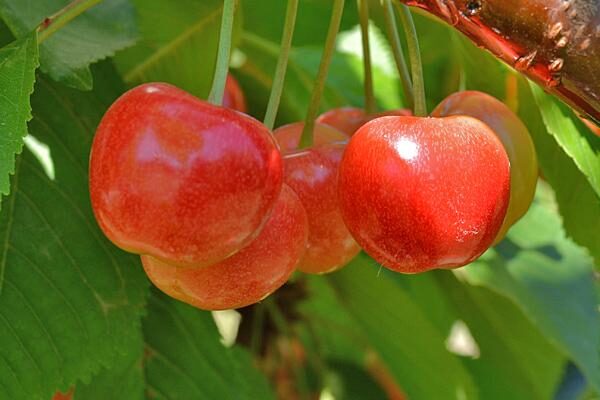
pixel 18 62
pixel 576 139
pixel 178 44
pixel 123 381
pixel 411 345
pixel 551 279
pixel 70 301
pixel 96 34
pixel 186 360
pixel 266 19
pixel 515 361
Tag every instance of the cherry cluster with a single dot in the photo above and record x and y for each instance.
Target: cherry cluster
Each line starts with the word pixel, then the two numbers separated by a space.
pixel 223 211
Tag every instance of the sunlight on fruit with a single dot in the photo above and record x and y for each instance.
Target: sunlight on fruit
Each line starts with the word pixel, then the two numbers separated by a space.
pixel 461 342
pixel 228 323
pixel 41 151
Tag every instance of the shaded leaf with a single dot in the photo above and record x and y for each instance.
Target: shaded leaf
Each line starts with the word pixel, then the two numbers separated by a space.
pixel 186 360
pixel 550 278
pixel 18 62
pixel 409 344
pixel 178 44
pixel 96 34
pixel 70 301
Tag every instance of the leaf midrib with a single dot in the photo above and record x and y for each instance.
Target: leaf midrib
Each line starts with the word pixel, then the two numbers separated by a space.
pixel 170 46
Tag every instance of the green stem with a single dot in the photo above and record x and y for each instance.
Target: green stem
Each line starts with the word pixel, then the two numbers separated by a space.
pixel 222 65
pixel 282 62
pixel 394 38
pixel 56 21
pixel 363 12
pixel 416 65
pixel 257 328
pixel 306 139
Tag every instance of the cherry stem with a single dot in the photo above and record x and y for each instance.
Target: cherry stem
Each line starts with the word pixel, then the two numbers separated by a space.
pixel 394 38
pixel 416 66
pixel 59 19
pixel 222 65
pixel 306 139
pixel 282 62
pixel 363 13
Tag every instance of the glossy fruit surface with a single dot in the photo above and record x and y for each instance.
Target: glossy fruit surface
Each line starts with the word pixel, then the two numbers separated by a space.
pixel 180 179
pixel 349 119
pixel 249 275
pixel 234 96
pixel 312 174
pixel 288 136
pixel 516 140
pixel 424 193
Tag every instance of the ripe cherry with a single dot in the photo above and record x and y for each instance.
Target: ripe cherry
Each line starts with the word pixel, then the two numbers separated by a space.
pixel 424 193
pixel 349 119
pixel 288 136
pixel 516 140
pixel 249 275
pixel 234 96
pixel 312 173
pixel 180 179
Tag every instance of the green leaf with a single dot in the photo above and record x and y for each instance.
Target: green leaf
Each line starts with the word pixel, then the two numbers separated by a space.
pixel 515 361
pixel 312 20
pixel 410 345
pixel 70 301
pixel 126 378
pixel 186 360
pixel 96 34
pixel 578 203
pixel 178 44
pixel 18 62
pixel 551 279
pixel 572 135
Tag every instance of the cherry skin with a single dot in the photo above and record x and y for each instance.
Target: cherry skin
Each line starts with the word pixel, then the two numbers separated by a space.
pixel 180 179
pixel 516 140
pixel 249 275
pixel 288 136
pixel 234 96
pixel 349 119
pixel 424 193
pixel 312 174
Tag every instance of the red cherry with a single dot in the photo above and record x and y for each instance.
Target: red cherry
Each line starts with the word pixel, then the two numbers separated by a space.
pixel 424 193
pixel 312 173
pixel 61 396
pixel 249 275
pixel 513 134
pixel 349 119
pixel 180 179
pixel 234 96
pixel 288 136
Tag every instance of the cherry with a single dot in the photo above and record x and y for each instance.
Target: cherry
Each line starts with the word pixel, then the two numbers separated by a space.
pixel 234 96
pixel 180 179
pixel 349 119
pixel 288 136
pixel 63 396
pixel 516 140
pixel 312 173
pixel 249 275
pixel 424 193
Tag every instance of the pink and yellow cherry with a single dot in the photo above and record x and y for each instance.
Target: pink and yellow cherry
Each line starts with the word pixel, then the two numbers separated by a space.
pixel 516 140
pixel 312 174
pixel 249 275
pixel 234 96
pixel 424 193
pixel 349 119
pixel 180 179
